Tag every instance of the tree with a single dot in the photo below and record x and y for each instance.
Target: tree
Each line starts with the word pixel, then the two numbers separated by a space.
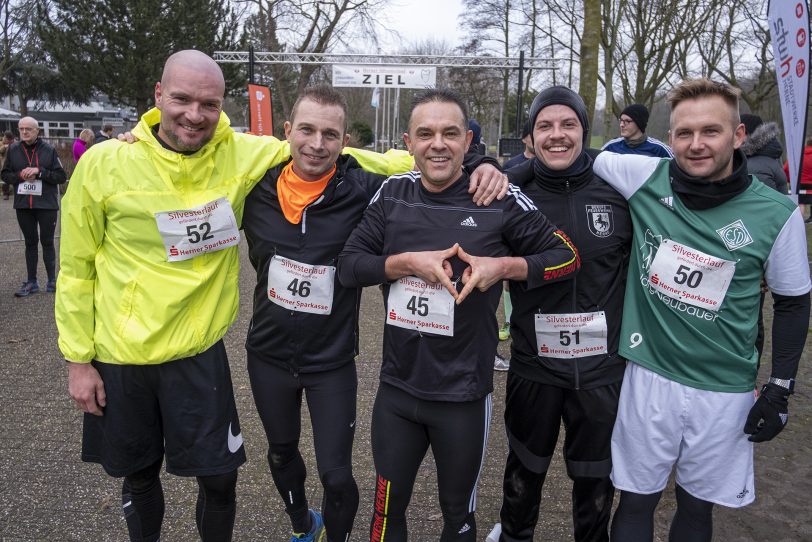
pixel 590 50
pixel 118 47
pixel 304 26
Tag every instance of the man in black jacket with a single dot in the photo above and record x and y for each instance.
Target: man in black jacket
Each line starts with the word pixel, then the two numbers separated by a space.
pixel 34 171
pixel 419 236
pixel 304 331
pixel 564 361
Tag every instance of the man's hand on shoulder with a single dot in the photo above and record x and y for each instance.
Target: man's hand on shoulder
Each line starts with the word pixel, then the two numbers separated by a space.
pixel 488 183
pixel 127 137
pixel 86 388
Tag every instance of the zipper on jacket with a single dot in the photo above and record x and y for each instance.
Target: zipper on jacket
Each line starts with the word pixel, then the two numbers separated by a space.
pixel 573 230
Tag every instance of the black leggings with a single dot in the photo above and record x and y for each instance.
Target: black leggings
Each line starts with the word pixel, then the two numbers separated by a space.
pixel 44 220
pixel 634 518
pixel 403 427
pixel 331 399
pixel 142 500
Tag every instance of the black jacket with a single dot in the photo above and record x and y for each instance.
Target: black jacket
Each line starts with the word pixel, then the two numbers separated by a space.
pixel 300 341
pixel 42 155
pixel 405 217
pixel 571 203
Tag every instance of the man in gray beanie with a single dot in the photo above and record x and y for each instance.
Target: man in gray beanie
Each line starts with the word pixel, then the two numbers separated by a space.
pixel 564 364
pixel 633 138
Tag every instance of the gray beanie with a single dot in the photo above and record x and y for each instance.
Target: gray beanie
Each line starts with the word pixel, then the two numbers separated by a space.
pixel 560 95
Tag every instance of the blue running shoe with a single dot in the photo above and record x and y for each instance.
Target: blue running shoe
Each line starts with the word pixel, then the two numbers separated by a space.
pixel 51 286
pixel 316 533
pixel 27 289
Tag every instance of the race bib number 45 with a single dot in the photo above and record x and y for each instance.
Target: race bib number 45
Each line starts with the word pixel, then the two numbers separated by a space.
pixel 30 188
pixel 415 304
pixel 301 287
pixel 188 233
pixel 571 335
pixel 691 276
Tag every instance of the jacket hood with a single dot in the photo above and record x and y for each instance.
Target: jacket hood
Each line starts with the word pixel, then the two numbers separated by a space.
pixel 143 131
pixel 763 140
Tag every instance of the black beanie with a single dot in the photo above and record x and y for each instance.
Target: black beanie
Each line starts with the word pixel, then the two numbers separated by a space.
pixel 638 113
pixel 559 95
pixel 751 122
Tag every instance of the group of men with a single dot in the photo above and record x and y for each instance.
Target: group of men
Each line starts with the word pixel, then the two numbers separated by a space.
pixel 654 308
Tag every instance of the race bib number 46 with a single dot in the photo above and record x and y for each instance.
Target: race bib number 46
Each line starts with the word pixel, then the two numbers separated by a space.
pixel 188 233
pixel 30 188
pixel 691 276
pixel 571 335
pixel 301 287
pixel 415 304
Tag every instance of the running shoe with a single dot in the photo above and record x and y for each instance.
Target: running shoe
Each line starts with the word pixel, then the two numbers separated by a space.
pixel 316 533
pixel 51 286
pixel 27 289
pixel 504 332
pixel 501 364
pixel 495 533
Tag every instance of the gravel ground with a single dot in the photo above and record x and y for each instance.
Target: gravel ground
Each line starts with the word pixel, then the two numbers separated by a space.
pixel 47 493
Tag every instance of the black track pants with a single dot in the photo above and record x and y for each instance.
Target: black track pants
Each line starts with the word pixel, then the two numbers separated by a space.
pixel 38 225
pixel 533 416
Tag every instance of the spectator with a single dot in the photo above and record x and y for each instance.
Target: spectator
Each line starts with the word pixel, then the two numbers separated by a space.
pixel 633 121
pixel 8 139
pixel 105 133
pixel 82 143
pixel 763 151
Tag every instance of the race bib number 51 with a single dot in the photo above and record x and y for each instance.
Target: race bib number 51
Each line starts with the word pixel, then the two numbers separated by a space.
pixel 691 276
pixel 415 304
pixel 188 233
pixel 574 335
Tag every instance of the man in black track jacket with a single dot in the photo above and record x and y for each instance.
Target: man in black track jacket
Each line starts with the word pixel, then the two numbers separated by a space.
pixel 421 236
pixel 564 360
pixel 304 330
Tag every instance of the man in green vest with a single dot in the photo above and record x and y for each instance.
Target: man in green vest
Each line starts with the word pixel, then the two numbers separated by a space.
pixel 704 236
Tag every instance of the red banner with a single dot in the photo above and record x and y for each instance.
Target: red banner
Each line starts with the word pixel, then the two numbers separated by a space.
pixel 259 99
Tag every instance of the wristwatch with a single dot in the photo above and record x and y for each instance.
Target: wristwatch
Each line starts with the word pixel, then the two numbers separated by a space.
pixel 788 384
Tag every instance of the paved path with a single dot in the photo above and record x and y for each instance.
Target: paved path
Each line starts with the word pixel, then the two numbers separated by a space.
pixel 47 493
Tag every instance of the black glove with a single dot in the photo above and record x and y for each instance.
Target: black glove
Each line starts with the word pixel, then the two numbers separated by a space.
pixel 769 415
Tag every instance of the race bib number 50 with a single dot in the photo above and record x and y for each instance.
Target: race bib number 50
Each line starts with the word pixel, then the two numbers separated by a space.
pixel 691 276
pixel 415 304
pixel 188 233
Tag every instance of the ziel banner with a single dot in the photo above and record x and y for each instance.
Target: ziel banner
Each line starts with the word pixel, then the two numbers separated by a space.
pixel 789 31
pixel 350 75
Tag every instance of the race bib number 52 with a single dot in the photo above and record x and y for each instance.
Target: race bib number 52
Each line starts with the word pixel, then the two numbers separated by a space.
pixel 187 233
pixel 415 304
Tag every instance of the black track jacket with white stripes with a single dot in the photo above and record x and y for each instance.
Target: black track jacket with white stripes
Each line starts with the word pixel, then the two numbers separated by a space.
pixel 405 217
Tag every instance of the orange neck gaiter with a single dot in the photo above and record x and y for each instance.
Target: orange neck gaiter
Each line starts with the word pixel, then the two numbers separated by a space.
pixel 295 193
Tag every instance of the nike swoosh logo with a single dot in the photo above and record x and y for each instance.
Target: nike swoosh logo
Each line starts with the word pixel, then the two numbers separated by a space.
pixel 352 424
pixel 234 441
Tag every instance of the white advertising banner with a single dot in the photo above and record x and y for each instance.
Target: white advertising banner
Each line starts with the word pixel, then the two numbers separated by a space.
pixel 789 32
pixel 351 75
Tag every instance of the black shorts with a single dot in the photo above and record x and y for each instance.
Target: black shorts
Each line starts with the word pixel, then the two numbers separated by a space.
pixel 184 408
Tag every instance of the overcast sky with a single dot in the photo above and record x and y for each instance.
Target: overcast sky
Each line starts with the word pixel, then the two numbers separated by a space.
pixel 419 20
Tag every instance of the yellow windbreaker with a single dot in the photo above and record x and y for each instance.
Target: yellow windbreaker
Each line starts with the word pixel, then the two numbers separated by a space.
pixel 118 299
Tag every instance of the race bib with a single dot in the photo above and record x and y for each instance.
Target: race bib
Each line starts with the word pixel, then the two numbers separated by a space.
pixel 301 287
pixel 691 276
pixel 571 335
pixel 415 304
pixel 30 188
pixel 191 232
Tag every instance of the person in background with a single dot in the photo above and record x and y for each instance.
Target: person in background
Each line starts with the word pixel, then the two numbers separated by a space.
pixel 805 182
pixel 633 140
pixel 33 168
pixel 528 153
pixel 763 152
pixel 105 133
pixel 8 139
pixel 82 143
